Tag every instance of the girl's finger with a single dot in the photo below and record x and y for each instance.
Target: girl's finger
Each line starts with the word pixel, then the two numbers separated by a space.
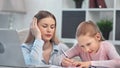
pixel 69 60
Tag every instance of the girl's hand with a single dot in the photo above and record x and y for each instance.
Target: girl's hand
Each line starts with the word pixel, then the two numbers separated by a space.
pixel 34 29
pixel 77 63
pixel 66 62
pixel 85 64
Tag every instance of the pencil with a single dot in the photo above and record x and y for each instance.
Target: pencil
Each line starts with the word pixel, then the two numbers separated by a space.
pixel 64 53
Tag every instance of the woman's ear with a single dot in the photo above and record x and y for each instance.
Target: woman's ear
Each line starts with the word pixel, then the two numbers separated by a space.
pixel 98 36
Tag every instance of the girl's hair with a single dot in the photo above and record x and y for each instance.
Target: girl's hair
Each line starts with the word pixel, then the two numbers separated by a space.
pixel 86 27
pixel 40 15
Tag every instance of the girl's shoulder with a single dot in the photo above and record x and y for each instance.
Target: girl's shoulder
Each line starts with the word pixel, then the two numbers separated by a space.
pixel 106 44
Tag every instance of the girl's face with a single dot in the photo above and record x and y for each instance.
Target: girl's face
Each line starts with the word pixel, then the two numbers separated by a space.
pixel 89 44
pixel 47 28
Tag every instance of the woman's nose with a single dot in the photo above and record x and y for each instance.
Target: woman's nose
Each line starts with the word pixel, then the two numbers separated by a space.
pixel 48 29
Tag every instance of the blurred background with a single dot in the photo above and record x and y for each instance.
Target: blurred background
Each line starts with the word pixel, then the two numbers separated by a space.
pixel 18 14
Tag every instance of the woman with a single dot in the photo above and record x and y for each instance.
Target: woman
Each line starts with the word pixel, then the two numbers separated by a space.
pixel 42 46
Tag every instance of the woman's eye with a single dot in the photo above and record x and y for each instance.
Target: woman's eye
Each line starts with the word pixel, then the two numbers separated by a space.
pixel 52 27
pixel 44 26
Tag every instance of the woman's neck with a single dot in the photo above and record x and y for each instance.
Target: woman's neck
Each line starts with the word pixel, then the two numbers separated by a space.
pixel 47 45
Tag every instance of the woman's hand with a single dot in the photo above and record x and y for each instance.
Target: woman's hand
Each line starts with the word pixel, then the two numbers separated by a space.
pixel 34 29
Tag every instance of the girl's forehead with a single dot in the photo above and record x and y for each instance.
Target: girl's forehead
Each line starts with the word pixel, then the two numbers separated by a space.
pixel 85 36
pixel 84 39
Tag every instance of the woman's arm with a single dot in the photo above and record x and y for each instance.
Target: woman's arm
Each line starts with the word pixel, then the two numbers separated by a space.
pixel 33 53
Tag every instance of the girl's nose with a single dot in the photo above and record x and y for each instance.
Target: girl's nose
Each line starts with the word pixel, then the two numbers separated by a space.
pixel 87 49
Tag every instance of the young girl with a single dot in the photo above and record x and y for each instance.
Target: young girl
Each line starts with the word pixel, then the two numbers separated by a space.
pixel 91 48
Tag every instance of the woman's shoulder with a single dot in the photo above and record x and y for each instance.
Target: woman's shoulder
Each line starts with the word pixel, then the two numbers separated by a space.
pixel 24 45
pixel 61 44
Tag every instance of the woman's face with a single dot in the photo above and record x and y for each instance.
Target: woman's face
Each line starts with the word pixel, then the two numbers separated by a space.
pixel 47 28
pixel 89 44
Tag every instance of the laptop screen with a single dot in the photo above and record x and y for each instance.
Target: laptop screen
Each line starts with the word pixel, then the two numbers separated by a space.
pixel 10 49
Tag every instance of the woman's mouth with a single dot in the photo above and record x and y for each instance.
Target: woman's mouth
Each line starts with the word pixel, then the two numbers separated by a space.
pixel 48 35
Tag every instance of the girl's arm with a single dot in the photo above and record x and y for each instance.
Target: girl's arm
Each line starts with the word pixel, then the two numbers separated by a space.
pixel 33 54
pixel 72 52
pixel 60 56
pixel 114 58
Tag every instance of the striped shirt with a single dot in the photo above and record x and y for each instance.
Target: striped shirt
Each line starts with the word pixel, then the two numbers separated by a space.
pixel 33 53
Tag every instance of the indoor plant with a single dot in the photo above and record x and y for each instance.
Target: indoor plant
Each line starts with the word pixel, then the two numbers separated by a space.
pixel 106 27
pixel 78 3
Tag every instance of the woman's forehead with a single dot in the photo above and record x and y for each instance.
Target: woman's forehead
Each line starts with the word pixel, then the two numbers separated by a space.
pixel 48 20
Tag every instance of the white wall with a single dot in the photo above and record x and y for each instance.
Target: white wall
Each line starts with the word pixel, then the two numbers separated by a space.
pixel 68 4
pixel 22 21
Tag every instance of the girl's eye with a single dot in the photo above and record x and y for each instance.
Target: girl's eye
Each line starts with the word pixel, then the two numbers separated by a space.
pixel 88 44
pixel 82 46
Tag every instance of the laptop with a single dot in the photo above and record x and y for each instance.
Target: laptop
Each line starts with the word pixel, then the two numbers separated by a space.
pixel 10 49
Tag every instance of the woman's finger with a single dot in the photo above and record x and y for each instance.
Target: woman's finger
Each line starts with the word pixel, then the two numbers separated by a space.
pixel 35 21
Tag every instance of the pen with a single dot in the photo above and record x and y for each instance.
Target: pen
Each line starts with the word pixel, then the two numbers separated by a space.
pixel 67 57
pixel 64 53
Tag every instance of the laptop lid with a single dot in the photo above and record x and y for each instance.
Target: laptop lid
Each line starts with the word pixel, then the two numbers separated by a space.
pixel 10 49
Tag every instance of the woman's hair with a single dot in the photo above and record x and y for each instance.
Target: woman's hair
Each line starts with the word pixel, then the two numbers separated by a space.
pixel 90 27
pixel 40 15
